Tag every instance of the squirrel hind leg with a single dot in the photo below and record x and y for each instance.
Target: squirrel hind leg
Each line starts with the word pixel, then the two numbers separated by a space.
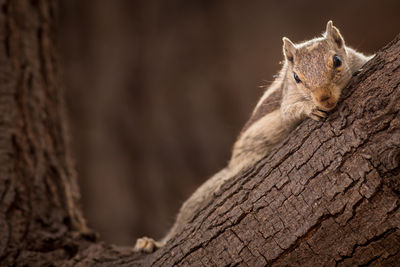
pixel 147 245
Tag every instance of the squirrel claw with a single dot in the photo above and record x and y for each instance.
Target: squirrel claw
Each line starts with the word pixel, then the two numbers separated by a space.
pixel 318 114
pixel 147 245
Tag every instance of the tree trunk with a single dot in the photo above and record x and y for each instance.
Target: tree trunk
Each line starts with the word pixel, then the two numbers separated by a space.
pixel 328 195
pixel 38 190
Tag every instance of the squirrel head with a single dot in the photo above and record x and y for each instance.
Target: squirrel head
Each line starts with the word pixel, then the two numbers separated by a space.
pixel 319 67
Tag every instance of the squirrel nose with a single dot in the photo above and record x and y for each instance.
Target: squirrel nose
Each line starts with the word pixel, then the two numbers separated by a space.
pixel 324 98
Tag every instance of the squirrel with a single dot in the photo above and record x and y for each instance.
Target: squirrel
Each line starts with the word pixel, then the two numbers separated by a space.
pixel 309 84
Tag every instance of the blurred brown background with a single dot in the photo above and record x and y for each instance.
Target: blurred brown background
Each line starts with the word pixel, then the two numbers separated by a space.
pixel 158 90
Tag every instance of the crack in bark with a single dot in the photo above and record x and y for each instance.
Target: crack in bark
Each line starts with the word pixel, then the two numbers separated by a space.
pixel 365 244
pixel 215 236
pixel 304 237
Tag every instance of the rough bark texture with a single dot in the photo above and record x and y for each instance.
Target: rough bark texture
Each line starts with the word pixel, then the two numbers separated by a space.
pixel 328 195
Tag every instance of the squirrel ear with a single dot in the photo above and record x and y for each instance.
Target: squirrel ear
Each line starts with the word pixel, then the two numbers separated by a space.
pixel 333 35
pixel 289 49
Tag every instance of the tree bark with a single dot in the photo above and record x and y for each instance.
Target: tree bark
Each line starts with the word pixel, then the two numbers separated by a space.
pixel 328 195
pixel 39 215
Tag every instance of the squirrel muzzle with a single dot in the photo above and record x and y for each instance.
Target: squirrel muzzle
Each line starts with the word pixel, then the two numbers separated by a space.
pixel 325 98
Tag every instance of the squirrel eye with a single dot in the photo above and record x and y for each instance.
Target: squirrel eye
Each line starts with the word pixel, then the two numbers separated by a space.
pixel 336 61
pixel 296 78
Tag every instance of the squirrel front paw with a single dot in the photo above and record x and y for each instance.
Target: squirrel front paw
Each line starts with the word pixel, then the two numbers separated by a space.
pixel 318 114
pixel 315 113
pixel 146 244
